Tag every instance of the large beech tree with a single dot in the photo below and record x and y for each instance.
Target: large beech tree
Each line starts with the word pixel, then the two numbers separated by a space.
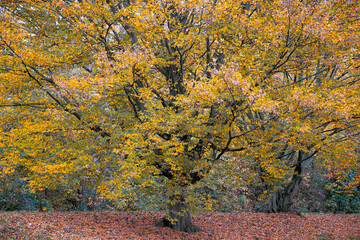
pixel 159 93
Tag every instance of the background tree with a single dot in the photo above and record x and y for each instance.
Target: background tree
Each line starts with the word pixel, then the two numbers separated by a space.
pixel 162 94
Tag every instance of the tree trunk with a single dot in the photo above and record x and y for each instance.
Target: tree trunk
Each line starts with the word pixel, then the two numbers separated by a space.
pixel 282 199
pixel 179 218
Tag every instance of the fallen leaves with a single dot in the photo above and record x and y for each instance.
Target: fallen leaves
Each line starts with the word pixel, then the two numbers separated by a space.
pixel 112 225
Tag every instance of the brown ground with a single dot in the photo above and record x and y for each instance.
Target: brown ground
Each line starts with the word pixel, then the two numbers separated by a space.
pixel 105 225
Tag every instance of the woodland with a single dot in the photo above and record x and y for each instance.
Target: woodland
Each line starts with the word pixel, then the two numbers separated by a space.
pixel 192 110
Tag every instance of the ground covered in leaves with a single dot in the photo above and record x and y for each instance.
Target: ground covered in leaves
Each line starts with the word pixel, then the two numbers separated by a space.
pixel 109 225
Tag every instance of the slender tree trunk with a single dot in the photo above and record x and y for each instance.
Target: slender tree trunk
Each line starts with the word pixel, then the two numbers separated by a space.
pixel 179 218
pixel 282 199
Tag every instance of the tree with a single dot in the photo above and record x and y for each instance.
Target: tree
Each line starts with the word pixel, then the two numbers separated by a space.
pixel 158 94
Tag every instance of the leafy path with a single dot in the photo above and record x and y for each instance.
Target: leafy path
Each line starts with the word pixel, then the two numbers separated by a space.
pixel 105 225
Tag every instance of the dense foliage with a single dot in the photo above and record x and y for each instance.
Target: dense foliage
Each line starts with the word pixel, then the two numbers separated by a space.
pixel 169 98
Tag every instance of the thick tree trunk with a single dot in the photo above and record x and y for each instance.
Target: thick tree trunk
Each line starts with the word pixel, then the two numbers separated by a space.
pixel 179 218
pixel 282 199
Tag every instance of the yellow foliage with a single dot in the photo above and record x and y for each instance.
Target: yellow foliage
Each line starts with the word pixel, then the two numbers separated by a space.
pixel 155 94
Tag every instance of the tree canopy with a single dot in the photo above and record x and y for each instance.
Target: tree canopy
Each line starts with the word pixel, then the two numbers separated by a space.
pixel 162 95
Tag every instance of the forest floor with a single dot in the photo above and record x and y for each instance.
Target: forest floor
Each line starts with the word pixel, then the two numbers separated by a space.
pixel 117 225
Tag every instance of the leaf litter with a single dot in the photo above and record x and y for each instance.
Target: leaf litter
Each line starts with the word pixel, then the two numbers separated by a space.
pixel 120 225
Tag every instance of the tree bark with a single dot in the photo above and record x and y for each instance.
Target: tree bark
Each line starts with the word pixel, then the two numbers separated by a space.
pixel 282 199
pixel 179 218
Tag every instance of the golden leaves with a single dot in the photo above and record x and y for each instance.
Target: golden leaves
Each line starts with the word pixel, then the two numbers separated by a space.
pixel 152 93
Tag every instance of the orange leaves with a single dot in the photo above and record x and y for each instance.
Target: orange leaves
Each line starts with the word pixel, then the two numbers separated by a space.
pixel 154 93
pixel 142 226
